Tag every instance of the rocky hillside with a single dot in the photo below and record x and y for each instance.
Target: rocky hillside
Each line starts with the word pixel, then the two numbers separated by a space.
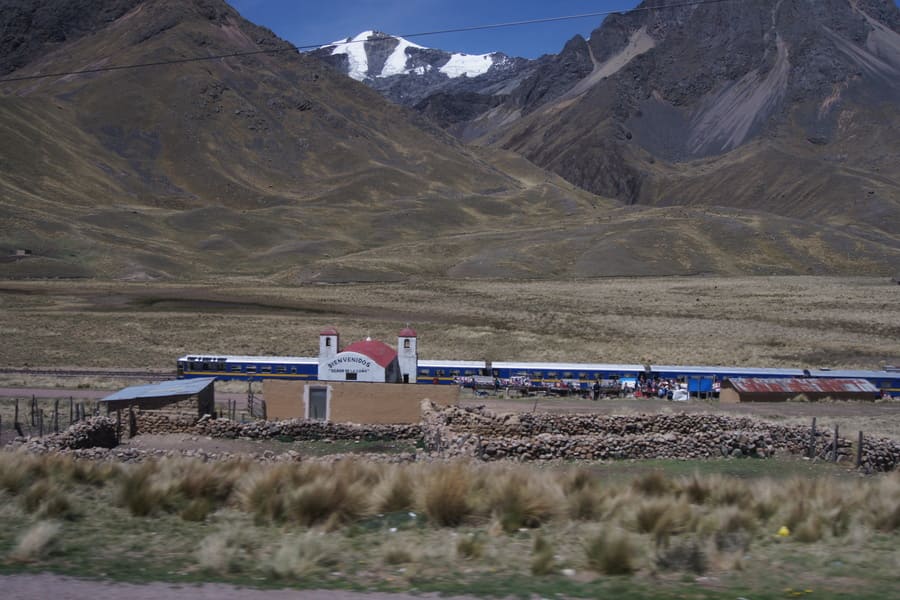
pixel 249 165
pixel 272 164
pixel 786 106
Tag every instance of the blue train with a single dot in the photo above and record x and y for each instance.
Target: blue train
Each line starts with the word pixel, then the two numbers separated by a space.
pixel 697 379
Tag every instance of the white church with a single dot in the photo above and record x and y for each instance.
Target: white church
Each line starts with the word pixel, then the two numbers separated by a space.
pixel 368 360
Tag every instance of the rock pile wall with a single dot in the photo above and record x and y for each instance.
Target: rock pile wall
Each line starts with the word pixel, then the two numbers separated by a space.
pixel 300 429
pixel 456 432
pixel 96 432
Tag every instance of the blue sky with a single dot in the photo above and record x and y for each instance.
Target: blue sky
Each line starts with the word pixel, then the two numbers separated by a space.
pixel 304 22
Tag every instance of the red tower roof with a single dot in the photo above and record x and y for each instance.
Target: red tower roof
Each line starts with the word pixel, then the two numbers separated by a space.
pixel 407 332
pixel 380 352
pixel 329 331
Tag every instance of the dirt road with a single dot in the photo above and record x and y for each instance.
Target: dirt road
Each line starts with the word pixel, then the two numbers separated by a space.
pixel 46 585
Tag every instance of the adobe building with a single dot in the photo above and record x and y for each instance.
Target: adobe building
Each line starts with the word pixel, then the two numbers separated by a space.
pixel 357 384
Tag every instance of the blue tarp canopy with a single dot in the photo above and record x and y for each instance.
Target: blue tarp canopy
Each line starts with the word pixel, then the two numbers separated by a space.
pixel 179 387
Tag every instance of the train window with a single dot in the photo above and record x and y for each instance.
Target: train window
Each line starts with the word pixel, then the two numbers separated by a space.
pixel 281 369
pixel 454 372
pixel 567 375
pixel 235 368
pixel 582 376
pixel 220 366
pixel 496 372
pixel 193 366
pixel 266 369
pixel 206 366
pixel 423 372
pixel 551 375
pixel 293 369
pixel 439 372
pixel 251 368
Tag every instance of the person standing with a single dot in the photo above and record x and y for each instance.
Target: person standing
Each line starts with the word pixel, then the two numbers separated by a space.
pixel 596 390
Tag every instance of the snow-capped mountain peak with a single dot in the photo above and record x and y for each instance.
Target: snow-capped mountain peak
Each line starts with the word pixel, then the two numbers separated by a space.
pixel 375 55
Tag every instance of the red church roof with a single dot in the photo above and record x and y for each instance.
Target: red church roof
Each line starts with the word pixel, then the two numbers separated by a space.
pixel 329 331
pixel 407 332
pixel 380 352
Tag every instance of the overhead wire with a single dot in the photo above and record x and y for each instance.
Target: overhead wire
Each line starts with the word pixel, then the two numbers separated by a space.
pixel 300 48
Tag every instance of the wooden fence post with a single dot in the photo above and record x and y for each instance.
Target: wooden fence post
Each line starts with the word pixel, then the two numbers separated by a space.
pixel 859 450
pixel 56 416
pixel 41 423
pixel 834 455
pixel 71 414
pixel 812 440
pixel 132 422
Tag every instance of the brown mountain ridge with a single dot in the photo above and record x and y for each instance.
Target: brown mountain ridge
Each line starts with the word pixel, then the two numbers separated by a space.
pixel 273 165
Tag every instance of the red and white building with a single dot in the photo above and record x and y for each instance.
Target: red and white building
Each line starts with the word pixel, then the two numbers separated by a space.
pixel 368 360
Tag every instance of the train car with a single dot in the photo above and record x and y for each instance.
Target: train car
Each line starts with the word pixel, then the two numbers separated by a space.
pixel 886 381
pixel 703 380
pixel 447 372
pixel 248 368
pixel 553 373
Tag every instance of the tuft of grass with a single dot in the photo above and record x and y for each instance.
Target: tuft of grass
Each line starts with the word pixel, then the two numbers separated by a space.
pixel 396 553
pixel 687 555
pixel 218 554
pixel 395 491
pixel 445 491
pixel 518 501
pixel 38 541
pixel 303 555
pixel 654 483
pixel 470 547
pixel 543 560
pixel 611 552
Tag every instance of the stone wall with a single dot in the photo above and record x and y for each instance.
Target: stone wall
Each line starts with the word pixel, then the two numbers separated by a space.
pixel 457 432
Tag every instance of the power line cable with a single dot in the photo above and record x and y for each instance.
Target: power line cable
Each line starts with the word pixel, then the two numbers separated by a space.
pixel 298 48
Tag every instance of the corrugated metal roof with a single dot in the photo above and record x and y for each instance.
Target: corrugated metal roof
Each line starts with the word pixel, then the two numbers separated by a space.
pixel 800 386
pixel 180 387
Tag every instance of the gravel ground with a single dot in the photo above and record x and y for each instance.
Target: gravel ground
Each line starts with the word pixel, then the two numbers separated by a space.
pixel 46 585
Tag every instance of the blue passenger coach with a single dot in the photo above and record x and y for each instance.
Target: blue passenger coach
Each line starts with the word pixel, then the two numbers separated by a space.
pixel 225 367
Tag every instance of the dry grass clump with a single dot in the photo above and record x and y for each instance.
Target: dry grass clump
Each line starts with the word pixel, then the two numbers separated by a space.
pixel 517 499
pixel 38 540
pixel 309 494
pixel 395 491
pixel 305 554
pixel 610 551
pixel 225 552
pixel 543 561
pixel 444 494
pixel 470 547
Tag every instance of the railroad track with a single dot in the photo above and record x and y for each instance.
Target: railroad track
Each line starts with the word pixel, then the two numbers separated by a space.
pixel 152 374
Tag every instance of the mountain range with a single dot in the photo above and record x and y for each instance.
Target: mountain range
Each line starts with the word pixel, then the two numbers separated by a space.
pixel 731 138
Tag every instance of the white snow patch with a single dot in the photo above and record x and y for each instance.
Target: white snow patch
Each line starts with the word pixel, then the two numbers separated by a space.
pixel 396 62
pixel 470 65
pixel 355 49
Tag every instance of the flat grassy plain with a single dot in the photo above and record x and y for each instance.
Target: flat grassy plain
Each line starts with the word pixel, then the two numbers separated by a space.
pixel 753 321
pixel 498 529
pixel 625 529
